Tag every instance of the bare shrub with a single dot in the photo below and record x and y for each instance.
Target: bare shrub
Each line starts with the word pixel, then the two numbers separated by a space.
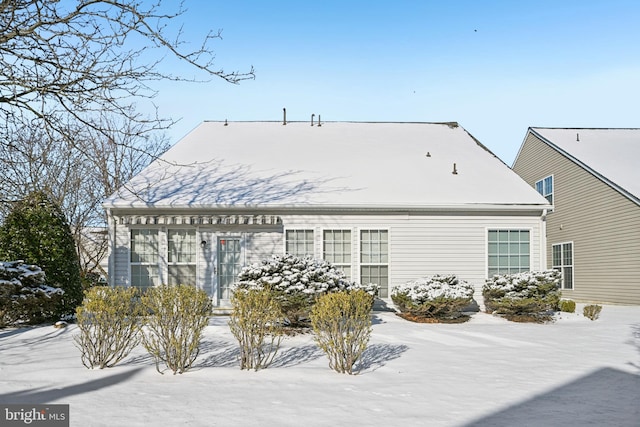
pixel 342 326
pixel 109 325
pixel 592 311
pixel 173 331
pixel 256 322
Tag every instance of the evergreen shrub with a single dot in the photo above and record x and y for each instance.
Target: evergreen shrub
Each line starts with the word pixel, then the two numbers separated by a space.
pixel 437 297
pixel 568 306
pixel 592 311
pixel 526 296
pixel 24 295
pixel 256 322
pixel 341 324
pixel 36 231
pixel 296 283
pixel 177 316
pixel 109 325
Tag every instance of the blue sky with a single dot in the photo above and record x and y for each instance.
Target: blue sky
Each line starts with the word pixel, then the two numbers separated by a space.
pixel 495 67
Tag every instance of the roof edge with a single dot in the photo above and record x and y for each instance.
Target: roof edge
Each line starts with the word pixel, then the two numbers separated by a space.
pixel 583 165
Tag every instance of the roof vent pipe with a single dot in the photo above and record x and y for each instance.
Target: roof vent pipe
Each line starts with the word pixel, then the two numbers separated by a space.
pixel 319 124
pixel 225 122
pixel 312 116
pixel 455 170
pixel 284 113
pixel 577 137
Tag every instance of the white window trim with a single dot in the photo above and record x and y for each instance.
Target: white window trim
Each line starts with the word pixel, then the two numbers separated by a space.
pixel 573 264
pixel 358 263
pixel 301 228
pixel 159 258
pixel 553 188
pixel 176 263
pixel 321 247
pixel 499 228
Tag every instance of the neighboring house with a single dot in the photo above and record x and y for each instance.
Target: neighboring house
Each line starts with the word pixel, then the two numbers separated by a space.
pixel 384 202
pixel 592 178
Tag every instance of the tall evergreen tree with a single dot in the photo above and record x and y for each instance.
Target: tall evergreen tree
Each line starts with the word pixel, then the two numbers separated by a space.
pixel 37 232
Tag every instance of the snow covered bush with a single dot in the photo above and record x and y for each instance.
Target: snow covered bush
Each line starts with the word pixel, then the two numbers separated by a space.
pixel 109 325
pixel 341 324
pixel 523 296
pixel 256 322
pixel 36 231
pixel 296 283
pixel 592 311
pixel 24 296
pixel 173 331
pixel 437 297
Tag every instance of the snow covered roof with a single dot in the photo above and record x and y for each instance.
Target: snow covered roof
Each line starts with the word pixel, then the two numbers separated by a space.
pixel 336 165
pixel 610 154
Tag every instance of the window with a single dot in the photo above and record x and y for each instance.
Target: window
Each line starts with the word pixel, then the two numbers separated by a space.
pixel 336 248
pixel 563 262
pixel 545 187
pixel 374 259
pixel 144 258
pixel 299 242
pixel 182 257
pixel 508 251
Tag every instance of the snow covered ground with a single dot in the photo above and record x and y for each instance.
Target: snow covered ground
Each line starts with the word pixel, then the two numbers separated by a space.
pixel 486 372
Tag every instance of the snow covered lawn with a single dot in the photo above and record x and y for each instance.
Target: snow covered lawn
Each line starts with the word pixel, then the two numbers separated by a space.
pixel 486 372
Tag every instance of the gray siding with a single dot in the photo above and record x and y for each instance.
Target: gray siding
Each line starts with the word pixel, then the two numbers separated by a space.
pixel 603 225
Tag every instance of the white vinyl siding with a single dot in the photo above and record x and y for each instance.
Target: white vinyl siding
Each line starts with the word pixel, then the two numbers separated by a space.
pixel 562 259
pixel 418 244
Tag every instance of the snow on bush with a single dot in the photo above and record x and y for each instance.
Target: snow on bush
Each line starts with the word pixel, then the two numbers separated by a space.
pixel 522 294
pixel 439 297
pixel 24 296
pixel 296 282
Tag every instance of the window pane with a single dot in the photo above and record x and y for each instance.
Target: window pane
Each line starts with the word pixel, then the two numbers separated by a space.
pixel 182 246
pixel 144 246
pixel 299 242
pixel 567 277
pixel 144 276
pixel 510 254
pixel 539 187
pixel 182 275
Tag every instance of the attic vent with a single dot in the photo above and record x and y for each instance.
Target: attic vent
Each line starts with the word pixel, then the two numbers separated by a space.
pixel 455 169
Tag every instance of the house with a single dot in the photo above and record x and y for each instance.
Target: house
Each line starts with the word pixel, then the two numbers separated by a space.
pixel 592 178
pixel 384 202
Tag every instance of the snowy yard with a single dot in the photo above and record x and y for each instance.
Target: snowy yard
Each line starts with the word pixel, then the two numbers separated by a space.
pixel 486 372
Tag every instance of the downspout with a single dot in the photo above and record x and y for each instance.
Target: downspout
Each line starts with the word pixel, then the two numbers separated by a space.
pixel 111 243
pixel 543 240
